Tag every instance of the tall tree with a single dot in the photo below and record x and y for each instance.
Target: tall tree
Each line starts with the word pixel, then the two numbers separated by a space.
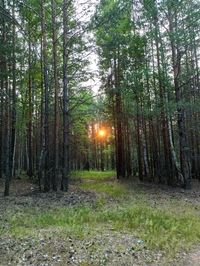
pixel 66 133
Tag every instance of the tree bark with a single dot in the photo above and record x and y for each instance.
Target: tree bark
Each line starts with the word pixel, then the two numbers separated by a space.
pixel 183 141
pixel 46 102
pixel 66 168
pixel 56 91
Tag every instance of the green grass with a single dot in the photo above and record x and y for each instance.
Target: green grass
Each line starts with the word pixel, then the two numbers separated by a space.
pixel 31 220
pixel 101 182
pixel 158 228
pixel 115 190
pixel 94 175
pixel 168 226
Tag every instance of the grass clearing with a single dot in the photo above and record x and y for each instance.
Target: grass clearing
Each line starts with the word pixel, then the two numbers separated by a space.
pixel 159 229
pixel 115 190
pixel 169 226
pixel 94 175
pixel 101 182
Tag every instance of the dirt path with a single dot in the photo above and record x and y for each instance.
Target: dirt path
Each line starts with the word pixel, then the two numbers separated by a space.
pixel 192 258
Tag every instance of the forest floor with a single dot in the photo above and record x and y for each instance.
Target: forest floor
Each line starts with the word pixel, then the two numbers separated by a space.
pixel 100 221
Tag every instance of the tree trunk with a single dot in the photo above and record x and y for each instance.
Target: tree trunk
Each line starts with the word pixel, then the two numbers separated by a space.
pixel 46 102
pixel 30 154
pixel 66 169
pixel 13 122
pixel 183 141
pixel 56 91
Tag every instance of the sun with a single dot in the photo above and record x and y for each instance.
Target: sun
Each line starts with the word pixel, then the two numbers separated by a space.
pixel 102 133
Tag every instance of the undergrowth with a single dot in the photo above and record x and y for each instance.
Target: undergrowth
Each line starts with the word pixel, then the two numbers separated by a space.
pixel 159 227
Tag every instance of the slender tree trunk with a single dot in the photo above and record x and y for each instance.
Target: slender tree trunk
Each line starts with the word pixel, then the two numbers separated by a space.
pixel 42 141
pixel 66 169
pixel 184 147
pixel 8 134
pixel 30 153
pixel 102 156
pixel 13 122
pixel 119 130
pixel 139 144
pixel 56 91
pixel 46 102
pixel 1 116
pixel 7 111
